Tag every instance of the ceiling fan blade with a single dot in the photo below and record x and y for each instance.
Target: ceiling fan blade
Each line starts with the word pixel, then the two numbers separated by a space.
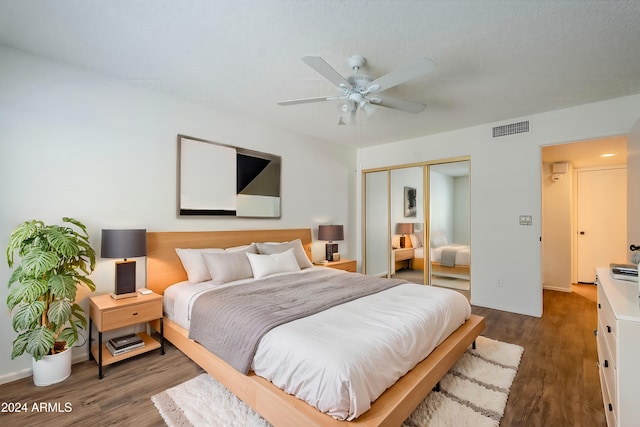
pixel 308 100
pixel 327 71
pixel 397 104
pixel 401 75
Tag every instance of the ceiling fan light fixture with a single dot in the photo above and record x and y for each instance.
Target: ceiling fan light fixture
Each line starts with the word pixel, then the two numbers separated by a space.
pixel 373 88
pixel 367 108
pixel 347 118
pixel 356 97
pixel 347 106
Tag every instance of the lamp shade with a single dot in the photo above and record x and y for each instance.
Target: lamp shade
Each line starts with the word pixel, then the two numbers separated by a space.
pixel 124 243
pixel 330 232
pixel 404 228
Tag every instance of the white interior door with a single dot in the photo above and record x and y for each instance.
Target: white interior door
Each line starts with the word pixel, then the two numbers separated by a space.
pixel 601 220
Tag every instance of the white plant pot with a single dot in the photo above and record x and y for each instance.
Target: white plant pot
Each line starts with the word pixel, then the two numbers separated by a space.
pixel 52 369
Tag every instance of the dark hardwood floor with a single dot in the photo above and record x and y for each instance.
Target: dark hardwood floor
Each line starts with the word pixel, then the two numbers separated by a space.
pixel 557 383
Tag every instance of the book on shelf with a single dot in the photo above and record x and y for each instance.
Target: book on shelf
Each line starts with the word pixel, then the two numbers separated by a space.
pixel 125 341
pixel 118 351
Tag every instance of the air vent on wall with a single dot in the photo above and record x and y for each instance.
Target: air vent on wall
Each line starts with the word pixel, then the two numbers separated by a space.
pixel 511 129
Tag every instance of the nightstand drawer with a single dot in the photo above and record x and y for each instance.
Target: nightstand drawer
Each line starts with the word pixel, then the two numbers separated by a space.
pixel 403 254
pixel 108 314
pixel 125 316
pixel 347 266
pixel 344 264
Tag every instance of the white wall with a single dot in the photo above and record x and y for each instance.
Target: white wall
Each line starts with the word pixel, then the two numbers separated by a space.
pixel 557 200
pixel 73 143
pixel 633 188
pixel 441 204
pixel 505 183
pixel 462 215
pixel 400 178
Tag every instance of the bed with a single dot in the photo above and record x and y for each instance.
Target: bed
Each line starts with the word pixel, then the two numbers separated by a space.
pixel 458 265
pixel 275 405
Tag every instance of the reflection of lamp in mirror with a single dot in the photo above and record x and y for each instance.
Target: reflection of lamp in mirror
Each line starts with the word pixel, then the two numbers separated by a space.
pixel 404 228
pixel 124 244
pixel 331 233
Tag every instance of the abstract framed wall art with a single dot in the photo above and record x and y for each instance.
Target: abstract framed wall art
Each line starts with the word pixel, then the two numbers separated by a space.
pixel 223 180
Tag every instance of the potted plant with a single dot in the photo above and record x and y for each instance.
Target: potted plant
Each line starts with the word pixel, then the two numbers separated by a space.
pixel 55 259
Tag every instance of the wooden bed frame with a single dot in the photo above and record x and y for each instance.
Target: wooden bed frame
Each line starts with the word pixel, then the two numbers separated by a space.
pixel 441 270
pixel 276 406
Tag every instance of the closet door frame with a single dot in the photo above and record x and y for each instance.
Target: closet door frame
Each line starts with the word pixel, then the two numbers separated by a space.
pixel 426 206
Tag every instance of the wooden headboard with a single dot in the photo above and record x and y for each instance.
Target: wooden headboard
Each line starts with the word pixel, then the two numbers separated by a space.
pixel 164 267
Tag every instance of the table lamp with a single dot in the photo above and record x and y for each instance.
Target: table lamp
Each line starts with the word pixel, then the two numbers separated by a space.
pixel 124 244
pixel 404 228
pixel 331 233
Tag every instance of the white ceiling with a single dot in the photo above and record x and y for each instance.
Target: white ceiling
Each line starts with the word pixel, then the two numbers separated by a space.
pixel 589 154
pixel 496 59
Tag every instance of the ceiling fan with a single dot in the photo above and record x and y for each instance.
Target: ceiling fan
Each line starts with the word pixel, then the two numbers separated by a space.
pixel 361 91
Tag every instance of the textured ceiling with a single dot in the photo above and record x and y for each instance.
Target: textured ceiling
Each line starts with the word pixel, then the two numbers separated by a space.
pixel 496 60
pixel 587 154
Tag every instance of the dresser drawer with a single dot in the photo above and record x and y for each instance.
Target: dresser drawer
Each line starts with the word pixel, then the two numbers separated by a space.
pixel 608 371
pixel 618 344
pixel 609 409
pixel 607 324
pixel 125 316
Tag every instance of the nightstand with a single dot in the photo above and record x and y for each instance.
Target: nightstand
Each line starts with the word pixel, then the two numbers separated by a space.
pixel 343 264
pixel 402 258
pixel 109 314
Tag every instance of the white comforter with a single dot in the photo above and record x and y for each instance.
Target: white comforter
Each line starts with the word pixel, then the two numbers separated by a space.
pixel 463 254
pixel 342 359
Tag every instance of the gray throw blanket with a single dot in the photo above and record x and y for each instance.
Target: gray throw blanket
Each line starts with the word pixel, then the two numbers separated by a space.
pixel 448 257
pixel 230 321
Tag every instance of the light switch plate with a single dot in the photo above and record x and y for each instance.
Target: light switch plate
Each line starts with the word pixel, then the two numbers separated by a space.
pixel 526 220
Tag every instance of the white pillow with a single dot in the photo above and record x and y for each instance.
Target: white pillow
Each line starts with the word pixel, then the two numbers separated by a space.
pixel 296 245
pixel 194 264
pixel 416 240
pixel 251 248
pixel 438 239
pixel 228 266
pixel 266 265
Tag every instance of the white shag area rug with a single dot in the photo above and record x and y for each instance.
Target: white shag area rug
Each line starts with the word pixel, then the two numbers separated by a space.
pixel 473 393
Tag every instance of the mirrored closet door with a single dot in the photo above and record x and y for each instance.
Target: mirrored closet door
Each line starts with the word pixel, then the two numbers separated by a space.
pixel 376 224
pixel 417 223
pixel 406 194
pixel 449 225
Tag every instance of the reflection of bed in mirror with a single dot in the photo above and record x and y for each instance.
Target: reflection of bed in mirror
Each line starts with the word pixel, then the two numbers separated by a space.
pixel 447 259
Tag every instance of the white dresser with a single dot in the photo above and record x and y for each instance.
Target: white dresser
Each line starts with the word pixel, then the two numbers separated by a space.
pixel 618 339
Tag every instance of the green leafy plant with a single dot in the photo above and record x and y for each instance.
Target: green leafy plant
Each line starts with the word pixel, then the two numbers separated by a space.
pixel 55 259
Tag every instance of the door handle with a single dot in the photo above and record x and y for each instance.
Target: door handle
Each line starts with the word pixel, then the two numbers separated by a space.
pixel 582 233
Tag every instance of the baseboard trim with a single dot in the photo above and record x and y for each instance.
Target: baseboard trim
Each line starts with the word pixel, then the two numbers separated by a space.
pixel 556 288
pixel 15 376
pixel 27 372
